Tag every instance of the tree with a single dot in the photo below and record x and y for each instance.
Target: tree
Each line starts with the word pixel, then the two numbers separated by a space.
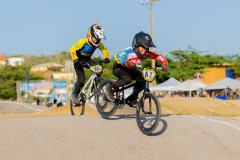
pixel 234 60
pixel 9 75
pixel 185 63
pixel 236 65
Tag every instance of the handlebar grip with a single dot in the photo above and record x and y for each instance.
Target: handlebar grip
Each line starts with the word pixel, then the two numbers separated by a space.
pixel 159 68
pixel 138 66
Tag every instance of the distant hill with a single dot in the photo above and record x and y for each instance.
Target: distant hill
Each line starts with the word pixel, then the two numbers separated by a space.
pixel 31 60
pixel 61 58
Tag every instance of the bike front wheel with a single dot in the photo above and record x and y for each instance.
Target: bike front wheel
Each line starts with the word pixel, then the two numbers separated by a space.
pixel 148 113
pixel 77 109
pixel 104 107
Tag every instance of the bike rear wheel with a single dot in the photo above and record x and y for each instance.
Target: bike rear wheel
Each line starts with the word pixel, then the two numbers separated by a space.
pixel 148 113
pixel 77 109
pixel 104 107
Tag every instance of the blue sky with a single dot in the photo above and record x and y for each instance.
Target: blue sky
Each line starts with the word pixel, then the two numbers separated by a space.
pixel 45 27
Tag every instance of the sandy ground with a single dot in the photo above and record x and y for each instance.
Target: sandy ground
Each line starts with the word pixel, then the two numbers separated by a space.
pixel 62 111
pixel 179 106
pixel 201 106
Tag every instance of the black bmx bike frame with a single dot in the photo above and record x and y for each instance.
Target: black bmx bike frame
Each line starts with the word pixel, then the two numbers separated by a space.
pixel 121 90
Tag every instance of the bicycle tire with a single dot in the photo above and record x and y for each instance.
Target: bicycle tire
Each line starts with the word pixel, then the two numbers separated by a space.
pixel 143 121
pixel 104 107
pixel 77 110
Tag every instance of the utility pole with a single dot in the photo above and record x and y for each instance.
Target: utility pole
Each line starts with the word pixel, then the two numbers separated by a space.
pixel 149 5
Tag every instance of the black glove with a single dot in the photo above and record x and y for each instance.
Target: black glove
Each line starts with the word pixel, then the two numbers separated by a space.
pixel 106 60
pixel 76 61
pixel 164 67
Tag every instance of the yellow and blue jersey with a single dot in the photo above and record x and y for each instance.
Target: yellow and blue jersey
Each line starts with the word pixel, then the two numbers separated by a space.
pixel 83 49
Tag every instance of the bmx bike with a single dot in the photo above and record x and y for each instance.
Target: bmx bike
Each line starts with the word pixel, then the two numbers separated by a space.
pixel 147 111
pixel 89 89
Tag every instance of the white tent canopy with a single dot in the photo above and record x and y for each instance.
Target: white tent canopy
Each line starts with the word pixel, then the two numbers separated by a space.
pixel 165 86
pixel 189 85
pixel 223 84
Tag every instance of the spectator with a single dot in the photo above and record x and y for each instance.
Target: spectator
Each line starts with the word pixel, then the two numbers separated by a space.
pixel 48 103
pixel 38 101
pixel 230 94
pixel 212 94
pixel 60 100
pixel 236 94
pixel 53 97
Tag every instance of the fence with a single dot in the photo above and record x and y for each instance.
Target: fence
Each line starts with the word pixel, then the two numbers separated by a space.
pixel 45 91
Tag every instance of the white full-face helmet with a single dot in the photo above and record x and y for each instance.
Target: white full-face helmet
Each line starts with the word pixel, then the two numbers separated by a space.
pixel 97 32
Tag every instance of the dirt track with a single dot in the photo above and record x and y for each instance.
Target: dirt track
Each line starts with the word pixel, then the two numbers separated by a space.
pixel 178 106
pixel 202 106
pixel 54 134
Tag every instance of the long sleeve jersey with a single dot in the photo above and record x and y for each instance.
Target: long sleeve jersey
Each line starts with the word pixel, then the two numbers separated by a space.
pixel 127 55
pixel 83 49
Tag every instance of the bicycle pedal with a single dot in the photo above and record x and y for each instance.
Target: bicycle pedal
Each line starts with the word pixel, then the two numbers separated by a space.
pixel 148 113
pixel 133 105
pixel 120 106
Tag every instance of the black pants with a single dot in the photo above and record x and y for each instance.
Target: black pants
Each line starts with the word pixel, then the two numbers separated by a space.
pixel 125 76
pixel 81 75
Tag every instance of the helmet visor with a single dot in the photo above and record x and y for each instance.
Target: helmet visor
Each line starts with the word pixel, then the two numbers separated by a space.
pixel 147 46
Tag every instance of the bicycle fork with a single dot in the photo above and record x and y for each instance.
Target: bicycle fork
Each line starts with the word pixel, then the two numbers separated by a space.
pixel 142 105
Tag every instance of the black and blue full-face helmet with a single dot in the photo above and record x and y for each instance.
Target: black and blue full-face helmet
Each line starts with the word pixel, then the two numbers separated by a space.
pixel 144 40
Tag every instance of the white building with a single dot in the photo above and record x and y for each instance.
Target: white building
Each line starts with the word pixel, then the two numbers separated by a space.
pixel 45 66
pixel 14 61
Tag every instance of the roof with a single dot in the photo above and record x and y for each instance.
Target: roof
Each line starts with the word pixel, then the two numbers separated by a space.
pixel 223 84
pixel 49 65
pixel 169 84
pixel 3 58
pixel 165 86
pixel 189 85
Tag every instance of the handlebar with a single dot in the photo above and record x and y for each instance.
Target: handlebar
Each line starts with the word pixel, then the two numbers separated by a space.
pixel 158 68
pixel 101 62
pixel 88 65
pixel 140 67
